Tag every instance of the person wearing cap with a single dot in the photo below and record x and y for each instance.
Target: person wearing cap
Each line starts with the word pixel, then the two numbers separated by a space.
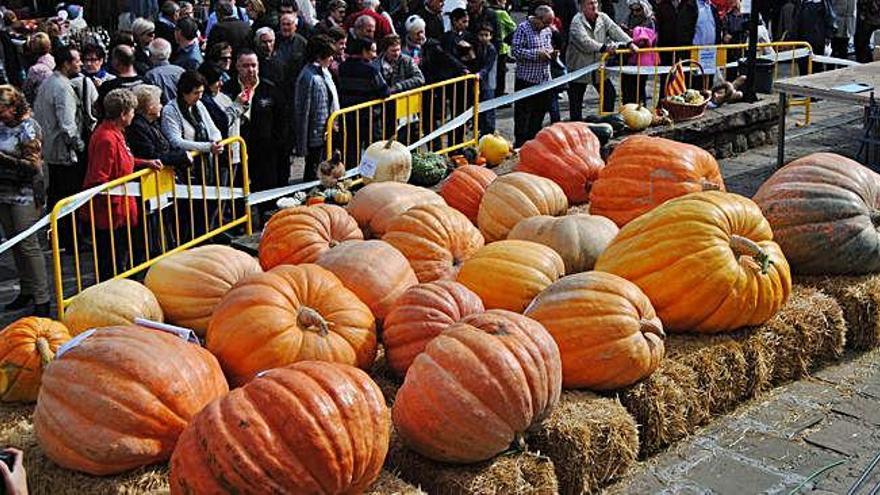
pixel 414 38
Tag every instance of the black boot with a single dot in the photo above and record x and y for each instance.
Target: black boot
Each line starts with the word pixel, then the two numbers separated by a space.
pixel 20 302
pixel 41 310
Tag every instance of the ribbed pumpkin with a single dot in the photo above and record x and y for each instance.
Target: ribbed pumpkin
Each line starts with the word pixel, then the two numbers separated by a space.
pixel 111 303
pixel 302 233
pixel 374 270
pixel 579 239
pixel 376 204
pixel 825 210
pixel 643 172
pixel 707 262
pixel 27 346
pixel 436 239
pixel 189 284
pixel 515 196
pixel 120 399
pixel 421 314
pixel 608 334
pixel 509 274
pixel 567 153
pixel 464 189
pixel 311 427
pixel 478 387
pixel 290 313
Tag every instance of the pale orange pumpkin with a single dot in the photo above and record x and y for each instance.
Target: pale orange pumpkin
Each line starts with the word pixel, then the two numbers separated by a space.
pixel 27 346
pixel 376 204
pixel 579 239
pixel 111 303
pixel 515 196
pixel 302 233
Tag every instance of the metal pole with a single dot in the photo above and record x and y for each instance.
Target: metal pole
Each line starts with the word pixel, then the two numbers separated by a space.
pixel 749 93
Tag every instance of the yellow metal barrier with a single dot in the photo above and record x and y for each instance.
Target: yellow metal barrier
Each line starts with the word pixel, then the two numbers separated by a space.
pixel 407 116
pixel 700 53
pixel 172 211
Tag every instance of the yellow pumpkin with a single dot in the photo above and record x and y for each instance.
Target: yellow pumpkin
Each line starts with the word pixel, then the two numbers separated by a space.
pixel 495 149
pixel 513 197
pixel 112 303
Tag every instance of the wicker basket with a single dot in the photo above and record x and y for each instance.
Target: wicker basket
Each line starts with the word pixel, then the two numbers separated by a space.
pixel 687 111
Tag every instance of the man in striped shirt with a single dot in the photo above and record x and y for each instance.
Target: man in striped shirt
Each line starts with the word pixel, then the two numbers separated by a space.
pixel 533 51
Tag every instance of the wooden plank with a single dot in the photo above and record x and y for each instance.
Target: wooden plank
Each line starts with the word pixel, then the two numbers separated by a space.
pixel 822 84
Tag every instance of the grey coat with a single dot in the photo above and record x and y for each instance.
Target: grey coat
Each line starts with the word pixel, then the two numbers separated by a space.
pixel 402 74
pixel 313 104
pixel 56 110
pixel 181 134
pixel 585 42
pixel 845 10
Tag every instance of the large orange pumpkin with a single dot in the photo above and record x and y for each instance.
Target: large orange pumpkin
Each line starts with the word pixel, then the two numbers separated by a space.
pixel 422 313
pixel 707 262
pixel 579 239
pixel 567 153
pixel 311 427
pixel 823 209
pixel 608 334
pixel 120 399
pixel 27 346
pixel 643 172
pixel 376 272
pixel 111 303
pixel 290 313
pixel 435 239
pixel 376 204
pixel 464 189
pixel 302 233
pixel 509 274
pixel 189 284
pixel 478 387
pixel 515 196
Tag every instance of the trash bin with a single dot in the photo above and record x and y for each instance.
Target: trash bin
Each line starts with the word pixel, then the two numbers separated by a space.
pixel 763 73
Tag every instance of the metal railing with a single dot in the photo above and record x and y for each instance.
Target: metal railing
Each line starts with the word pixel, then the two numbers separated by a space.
pixel 157 213
pixel 408 117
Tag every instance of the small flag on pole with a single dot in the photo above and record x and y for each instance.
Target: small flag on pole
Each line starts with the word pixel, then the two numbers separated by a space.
pixel 675 84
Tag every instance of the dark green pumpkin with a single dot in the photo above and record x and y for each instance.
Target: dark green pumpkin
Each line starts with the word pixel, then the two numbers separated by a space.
pixel 428 169
pixel 615 120
pixel 602 131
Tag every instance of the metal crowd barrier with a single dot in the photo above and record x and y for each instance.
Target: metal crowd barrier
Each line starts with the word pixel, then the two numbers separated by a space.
pixel 407 116
pixel 163 212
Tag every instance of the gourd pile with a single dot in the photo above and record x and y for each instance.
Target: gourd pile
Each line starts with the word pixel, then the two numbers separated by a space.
pixel 488 281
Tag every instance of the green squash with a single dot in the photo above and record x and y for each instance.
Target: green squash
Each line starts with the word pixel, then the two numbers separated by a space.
pixel 602 131
pixel 615 120
pixel 428 169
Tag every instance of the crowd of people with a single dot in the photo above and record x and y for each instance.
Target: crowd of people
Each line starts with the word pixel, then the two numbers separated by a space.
pixel 83 104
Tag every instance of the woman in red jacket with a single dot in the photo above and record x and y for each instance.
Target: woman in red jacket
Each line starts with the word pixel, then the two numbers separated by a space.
pixel 110 159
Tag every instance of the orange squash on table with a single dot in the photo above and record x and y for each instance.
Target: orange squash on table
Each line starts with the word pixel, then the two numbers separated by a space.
pixel 111 303
pixel 509 274
pixel 27 346
pixel 608 333
pixel 707 262
pixel 290 313
pixel 302 233
pixel 311 427
pixel 515 196
pixel 567 153
pixel 189 284
pixel 478 387
pixel 823 209
pixel 376 204
pixel 464 189
pixel 578 239
pixel 643 172
pixel 421 314
pixel 435 239
pixel 120 399
pixel 374 270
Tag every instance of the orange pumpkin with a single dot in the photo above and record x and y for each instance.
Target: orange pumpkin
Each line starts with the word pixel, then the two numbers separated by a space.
pixel 422 313
pixel 111 303
pixel 579 239
pixel 608 334
pixel 464 189
pixel 509 274
pixel 311 427
pixel 515 196
pixel 643 172
pixel 301 234
pixel 567 153
pixel 435 239
pixel 120 399
pixel 376 272
pixel 478 387
pixel 707 262
pixel 376 204
pixel 27 346
pixel 189 284
pixel 290 313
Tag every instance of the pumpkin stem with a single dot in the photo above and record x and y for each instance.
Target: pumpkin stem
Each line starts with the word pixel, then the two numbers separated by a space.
pixel 651 326
pixel 46 354
pixel 310 320
pixel 743 246
pixel 708 185
pixel 390 142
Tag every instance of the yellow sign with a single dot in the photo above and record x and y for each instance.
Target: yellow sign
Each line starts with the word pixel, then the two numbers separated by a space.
pixel 409 107
pixel 157 184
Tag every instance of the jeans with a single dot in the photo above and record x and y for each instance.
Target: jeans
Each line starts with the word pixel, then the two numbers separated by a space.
pixel 28 256
pixel 487 119
pixel 528 113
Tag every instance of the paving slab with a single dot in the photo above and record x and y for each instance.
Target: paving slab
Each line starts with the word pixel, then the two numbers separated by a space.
pixel 863 408
pixel 725 474
pixel 840 435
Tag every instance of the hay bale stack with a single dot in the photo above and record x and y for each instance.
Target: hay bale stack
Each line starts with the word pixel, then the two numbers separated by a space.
pixel 390 484
pixel 723 372
pixel 859 297
pixel 591 440
pixel 667 406
pixel 516 472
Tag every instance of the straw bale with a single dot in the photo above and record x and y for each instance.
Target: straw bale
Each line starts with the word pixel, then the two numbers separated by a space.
pixel 859 297
pixel 591 440
pixel 390 484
